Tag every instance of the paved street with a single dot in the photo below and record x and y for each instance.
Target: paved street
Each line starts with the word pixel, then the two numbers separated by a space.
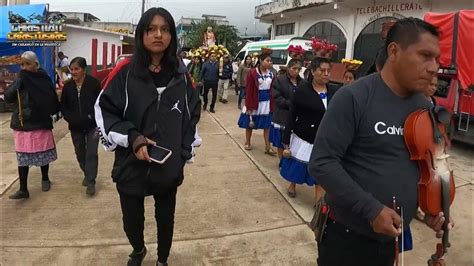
pixel 232 208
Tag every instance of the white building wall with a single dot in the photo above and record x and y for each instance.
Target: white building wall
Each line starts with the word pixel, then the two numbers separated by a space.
pixel 79 43
pixel 352 17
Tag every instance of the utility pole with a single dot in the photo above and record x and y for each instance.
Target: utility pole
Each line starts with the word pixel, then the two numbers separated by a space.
pixel 143 6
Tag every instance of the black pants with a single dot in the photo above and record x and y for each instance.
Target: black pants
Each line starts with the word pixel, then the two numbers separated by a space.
pixel 23 173
pixel 208 86
pixel 85 146
pixel 241 95
pixel 341 247
pixel 133 211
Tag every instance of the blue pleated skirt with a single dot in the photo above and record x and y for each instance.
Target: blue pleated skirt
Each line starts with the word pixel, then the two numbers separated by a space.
pixel 295 171
pixel 262 117
pixel 276 136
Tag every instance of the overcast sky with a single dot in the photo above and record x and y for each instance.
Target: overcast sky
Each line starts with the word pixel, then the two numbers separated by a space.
pixel 240 13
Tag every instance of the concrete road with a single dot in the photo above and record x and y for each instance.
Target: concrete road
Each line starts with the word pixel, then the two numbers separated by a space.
pixel 232 209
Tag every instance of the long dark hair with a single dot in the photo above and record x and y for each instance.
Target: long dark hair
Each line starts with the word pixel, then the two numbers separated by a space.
pixel 245 59
pixel 193 65
pixel 261 58
pixel 352 72
pixel 315 64
pixel 292 63
pixel 141 57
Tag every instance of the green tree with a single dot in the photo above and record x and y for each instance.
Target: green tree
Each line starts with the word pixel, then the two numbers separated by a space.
pixel 225 35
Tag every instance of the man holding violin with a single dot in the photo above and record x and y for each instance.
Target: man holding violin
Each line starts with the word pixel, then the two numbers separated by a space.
pixel 360 157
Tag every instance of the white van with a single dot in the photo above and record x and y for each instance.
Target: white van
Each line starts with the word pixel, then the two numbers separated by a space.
pixel 280 50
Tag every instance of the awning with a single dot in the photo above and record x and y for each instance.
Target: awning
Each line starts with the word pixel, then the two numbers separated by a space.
pixel 456 42
pixel 22 11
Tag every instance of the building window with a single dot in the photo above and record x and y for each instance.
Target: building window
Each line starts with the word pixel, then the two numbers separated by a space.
pixel 332 33
pixel 285 29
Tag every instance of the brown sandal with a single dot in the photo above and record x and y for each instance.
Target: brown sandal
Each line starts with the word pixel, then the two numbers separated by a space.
pixel 270 152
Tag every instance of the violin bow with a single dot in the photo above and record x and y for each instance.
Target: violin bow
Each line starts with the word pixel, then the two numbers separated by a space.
pixel 403 239
pixel 397 250
pixel 399 210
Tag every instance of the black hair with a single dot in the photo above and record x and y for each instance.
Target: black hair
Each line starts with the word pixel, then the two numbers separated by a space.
pixel 407 31
pixel 141 57
pixel 352 72
pixel 60 54
pixel 315 64
pixel 264 56
pixel 293 62
pixel 380 59
pixel 80 61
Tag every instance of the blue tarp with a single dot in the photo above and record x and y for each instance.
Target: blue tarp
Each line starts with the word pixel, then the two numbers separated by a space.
pixel 45 54
pixel 26 11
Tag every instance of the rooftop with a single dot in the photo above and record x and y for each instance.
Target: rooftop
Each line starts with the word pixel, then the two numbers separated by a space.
pixel 220 20
pixel 269 11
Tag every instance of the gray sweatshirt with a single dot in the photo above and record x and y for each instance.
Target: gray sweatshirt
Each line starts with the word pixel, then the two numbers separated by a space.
pixel 360 157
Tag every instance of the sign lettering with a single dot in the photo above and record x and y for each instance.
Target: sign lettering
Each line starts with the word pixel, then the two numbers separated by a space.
pixel 388 8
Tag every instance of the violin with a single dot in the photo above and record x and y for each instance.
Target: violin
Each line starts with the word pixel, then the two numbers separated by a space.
pixel 427 141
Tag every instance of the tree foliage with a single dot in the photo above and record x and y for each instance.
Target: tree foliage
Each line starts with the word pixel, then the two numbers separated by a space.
pixel 225 35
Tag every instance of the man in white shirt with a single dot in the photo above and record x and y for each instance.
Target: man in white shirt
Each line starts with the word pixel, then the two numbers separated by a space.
pixel 63 60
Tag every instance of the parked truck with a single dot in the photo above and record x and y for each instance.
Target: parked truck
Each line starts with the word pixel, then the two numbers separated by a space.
pixel 456 74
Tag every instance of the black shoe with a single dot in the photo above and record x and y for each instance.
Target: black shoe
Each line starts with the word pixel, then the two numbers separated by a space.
pixel 45 185
pixel 90 189
pixel 212 111
pixel 204 107
pixel 85 182
pixel 20 194
pixel 136 258
pixel 224 101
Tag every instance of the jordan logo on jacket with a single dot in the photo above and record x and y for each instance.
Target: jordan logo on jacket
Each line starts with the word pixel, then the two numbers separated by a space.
pixel 175 107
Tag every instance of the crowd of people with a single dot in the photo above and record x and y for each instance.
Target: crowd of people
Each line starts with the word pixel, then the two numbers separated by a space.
pixel 324 134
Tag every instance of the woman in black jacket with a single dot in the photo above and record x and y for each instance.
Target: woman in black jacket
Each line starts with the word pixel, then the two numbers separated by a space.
pixel 77 106
pixel 149 101
pixel 282 91
pixel 31 121
pixel 308 105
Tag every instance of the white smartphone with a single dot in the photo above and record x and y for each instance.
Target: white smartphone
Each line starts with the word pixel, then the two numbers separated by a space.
pixel 158 154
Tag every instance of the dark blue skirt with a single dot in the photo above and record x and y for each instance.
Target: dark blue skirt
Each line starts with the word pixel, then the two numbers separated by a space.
pixel 407 241
pixel 295 171
pixel 260 121
pixel 276 137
